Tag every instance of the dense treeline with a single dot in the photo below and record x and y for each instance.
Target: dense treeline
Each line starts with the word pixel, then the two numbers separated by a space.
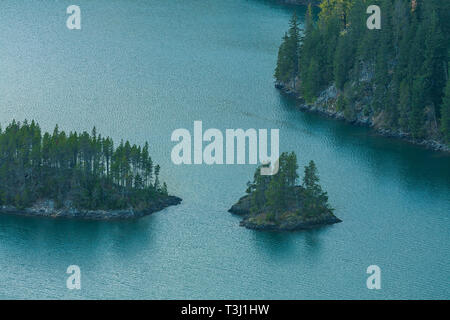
pixel 85 169
pixel 279 193
pixel 397 76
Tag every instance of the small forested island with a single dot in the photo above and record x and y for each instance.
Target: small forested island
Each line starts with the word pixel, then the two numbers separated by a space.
pixel 395 79
pixel 77 175
pixel 277 203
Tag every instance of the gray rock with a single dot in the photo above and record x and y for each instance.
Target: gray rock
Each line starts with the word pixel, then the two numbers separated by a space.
pixel 326 105
pixel 293 223
pixel 47 208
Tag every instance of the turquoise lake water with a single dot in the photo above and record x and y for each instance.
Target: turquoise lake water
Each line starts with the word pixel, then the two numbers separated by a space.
pixel 138 70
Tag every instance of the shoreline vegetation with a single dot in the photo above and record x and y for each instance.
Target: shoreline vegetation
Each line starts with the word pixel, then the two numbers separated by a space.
pixel 395 80
pixel 277 203
pixel 81 176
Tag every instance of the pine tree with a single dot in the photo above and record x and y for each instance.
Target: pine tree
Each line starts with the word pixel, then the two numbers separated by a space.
pixel 314 198
pixel 397 74
pixel 343 61
pixel 311 84
pixel 445 114
pixel 293 45
pixel 311 179
pixel 276 192
pixel 287 63
pixel 416 116
pixel 433 68
pixel 283 69
pixel 84 168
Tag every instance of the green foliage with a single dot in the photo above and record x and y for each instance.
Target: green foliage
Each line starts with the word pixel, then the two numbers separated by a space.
pixel 316 55
pixel 339 8
pixel 315 200
pixel 83 168
pixel 343 61
pixel 405 64
pixel 280 192
pixel 416 116
pixel 341 103
pixel 445 121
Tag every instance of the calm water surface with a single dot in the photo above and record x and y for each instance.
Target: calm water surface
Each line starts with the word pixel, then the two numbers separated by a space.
pixel 139 70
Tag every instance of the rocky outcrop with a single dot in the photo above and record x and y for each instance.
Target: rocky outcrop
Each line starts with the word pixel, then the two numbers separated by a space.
pixel 291 224
pixel 47 208
pixel 290 220
pixel 242 207
pixel 326 104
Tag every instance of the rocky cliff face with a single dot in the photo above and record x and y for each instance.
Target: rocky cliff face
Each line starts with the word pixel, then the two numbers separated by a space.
pixel 327 104
pixel 47 208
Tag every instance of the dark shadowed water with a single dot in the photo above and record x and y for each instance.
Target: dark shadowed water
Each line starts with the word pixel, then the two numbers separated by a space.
pixel 139 70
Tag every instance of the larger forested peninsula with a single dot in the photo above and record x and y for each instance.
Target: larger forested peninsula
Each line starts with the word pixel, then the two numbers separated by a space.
pixel 77 175
pixel 395 79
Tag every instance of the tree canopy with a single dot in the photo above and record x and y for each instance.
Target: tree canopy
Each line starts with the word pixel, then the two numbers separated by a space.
pixel 397 75
pixel 85 169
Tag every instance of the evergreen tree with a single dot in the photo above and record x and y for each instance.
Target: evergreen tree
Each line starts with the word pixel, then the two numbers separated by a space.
pixel 284 69
pixel 396 75
pixel 287 64
pixel 279 193
pixel 83 168
pixel 314 198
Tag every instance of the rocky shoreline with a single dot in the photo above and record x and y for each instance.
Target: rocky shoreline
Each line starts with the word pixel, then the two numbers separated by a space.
pixel 290 223
pixel 290 226
pixel 323 106
pixel 47 208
